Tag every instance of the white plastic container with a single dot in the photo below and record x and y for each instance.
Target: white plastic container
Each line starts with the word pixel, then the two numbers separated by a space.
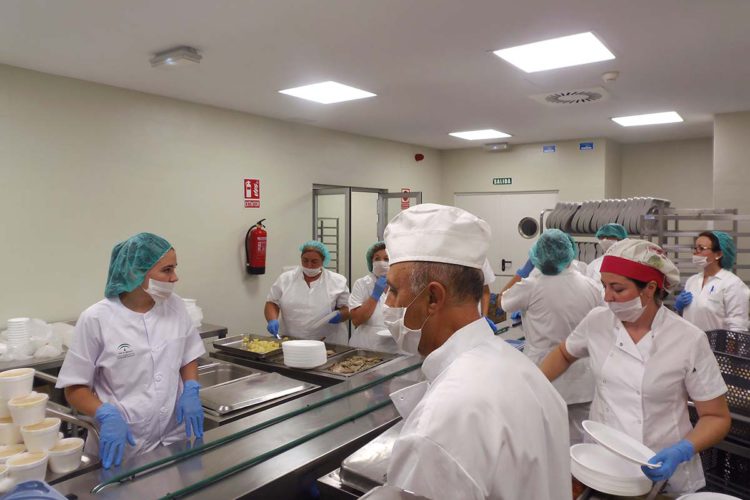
pixel 29 409
pixel 10 433
pixel 10 451
pixel 15 383
pixel 28 466
pixel 66 455
pixel 3 471
pixel 4 411
pixel 41 436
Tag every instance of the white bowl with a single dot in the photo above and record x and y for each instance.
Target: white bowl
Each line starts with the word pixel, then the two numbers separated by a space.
pixel 29 409
pixel 41 436
pixel 10 450
pixel 15 383
pixel 10 433
pixel 66 455
pixel 599 468
pixel 4 411
pixel 28 466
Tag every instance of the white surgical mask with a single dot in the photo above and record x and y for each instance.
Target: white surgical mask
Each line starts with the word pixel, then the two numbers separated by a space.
pixel 606 244
pixel 700 260
pixel 159 290
pixel 406 339
pixel 628 311
pixel 311 273
pixel 380 268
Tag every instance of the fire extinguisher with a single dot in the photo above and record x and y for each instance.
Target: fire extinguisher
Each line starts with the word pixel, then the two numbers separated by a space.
pixel 255 248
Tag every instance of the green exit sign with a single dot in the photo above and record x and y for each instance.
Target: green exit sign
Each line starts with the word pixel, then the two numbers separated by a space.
pixel 502 181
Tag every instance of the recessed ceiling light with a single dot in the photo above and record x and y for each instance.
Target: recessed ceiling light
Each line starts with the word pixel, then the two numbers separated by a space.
pixel 562 52
pixel 649 119
pixel 177 56
pixel 327 92
pixel 475 135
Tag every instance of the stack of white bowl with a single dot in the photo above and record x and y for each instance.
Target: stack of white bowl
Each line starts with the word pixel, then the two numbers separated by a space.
pixel 600 469
pixel 19 338
pixel 304 353
pixel 195 312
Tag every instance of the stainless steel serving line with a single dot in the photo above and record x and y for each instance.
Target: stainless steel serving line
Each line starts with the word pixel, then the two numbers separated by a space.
pixel 280 476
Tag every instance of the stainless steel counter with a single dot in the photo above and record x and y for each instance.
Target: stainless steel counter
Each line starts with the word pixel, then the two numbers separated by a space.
pixel 282 476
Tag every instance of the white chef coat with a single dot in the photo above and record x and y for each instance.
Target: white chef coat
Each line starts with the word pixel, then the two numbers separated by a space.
pixel 643 390
pixel 551 307
pixel 366 335
pixel 132 360
pixel 302 305
pixel 593 270
pixel 575 265
pixel 488 425
pixel 722 304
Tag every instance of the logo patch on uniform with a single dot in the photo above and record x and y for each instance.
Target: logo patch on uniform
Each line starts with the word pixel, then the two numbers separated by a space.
pixel 124 351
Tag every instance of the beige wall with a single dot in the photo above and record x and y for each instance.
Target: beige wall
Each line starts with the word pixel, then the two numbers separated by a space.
pixel 613 170
pixel 86 165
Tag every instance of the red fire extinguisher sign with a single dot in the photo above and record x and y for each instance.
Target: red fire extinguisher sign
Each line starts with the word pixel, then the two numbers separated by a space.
pixel 252 193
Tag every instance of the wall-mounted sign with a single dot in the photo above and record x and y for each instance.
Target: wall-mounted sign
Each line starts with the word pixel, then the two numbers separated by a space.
pixel 502 181
pixel 405 200
pixel 549 148
pixel 252 193
pixel 585 146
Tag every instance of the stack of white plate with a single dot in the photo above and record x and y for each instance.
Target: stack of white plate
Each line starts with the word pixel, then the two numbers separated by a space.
pixel 706 495
pixel 304 353
pixel 19 337
pixel 602 470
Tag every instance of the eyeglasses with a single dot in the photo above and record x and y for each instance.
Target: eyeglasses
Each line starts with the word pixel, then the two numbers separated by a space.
pixel 699 249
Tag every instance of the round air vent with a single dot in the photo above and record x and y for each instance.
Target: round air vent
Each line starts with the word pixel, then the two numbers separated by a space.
pixel 573 97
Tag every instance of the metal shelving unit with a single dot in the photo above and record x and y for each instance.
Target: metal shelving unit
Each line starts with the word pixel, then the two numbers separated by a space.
pixel 328 233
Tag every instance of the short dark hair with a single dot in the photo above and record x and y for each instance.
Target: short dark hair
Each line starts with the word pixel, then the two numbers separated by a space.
pixel 463 283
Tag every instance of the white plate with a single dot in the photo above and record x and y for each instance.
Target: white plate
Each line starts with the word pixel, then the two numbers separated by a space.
pixel 620 443
pixel 322 321
pixel 384 333
pixel 706 495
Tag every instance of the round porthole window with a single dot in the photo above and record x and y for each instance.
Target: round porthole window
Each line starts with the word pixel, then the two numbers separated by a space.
pixel 528 227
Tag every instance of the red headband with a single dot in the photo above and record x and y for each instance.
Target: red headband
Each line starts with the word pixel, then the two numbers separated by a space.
pixel 632 269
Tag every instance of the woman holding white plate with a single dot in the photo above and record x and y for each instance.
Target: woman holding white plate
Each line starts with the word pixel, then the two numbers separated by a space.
pixel 647 362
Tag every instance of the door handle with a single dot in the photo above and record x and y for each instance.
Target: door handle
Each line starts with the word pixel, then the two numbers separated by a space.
pixel 504 262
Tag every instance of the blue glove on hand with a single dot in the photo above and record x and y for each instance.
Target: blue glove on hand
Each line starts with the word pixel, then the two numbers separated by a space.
pixel 273 327
pixel 336 319
pixel 670 458
pixel 190 409
pixel 525 270
pixel 516 317
pixel 492 324
pixel 380 287
pixel 113 435
pixel 683 300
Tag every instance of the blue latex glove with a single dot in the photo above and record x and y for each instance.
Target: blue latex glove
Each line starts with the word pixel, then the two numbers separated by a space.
pixel 189 408
pixel 516 317
pixel 336 319
pixel 380 287
pixel 525 270
pixel 273 327
pixel 113 435
pixel 670 458
pixel 683 300
pixel 492 324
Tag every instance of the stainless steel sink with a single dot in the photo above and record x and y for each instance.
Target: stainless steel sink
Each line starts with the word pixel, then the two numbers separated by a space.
pixel 218 373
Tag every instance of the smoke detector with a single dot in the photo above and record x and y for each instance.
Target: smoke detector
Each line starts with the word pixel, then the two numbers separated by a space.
pixel 568 97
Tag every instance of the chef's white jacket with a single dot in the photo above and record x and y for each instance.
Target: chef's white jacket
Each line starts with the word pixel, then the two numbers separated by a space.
pixel 575 265
pixel 551 307
pixel 303 306
pixel 486 424
pixel 132 360
pixel 722 304
pixel 593 270
pixel 372 334
pixel 642 389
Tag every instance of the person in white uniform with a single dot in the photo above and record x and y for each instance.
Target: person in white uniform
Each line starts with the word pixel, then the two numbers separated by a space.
pixel 366 303
pixel 647 362
pixel 133 353
pixel 715 299
pixel 485 424
pixel 313 302
pixel 608 235
pixel 552 304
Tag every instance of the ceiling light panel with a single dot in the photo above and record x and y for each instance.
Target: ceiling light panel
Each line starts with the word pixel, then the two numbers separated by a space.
pixel 648 119
pixel 327 92
pixel 476 135
pixel 563 52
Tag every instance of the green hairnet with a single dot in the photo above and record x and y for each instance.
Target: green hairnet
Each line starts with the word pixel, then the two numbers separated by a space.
pixel 612 231
pixel 131 260
pixel 318 247
pixel 552 252
pixel 728 250
pixel 375 247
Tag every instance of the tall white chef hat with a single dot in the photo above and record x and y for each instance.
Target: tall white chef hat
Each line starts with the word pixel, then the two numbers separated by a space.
pixel 437 233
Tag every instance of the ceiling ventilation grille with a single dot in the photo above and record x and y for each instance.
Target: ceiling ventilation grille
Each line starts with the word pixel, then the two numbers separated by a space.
pixel 568 97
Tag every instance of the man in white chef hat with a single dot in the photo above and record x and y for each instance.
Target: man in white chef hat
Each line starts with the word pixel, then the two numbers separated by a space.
pixel 486 423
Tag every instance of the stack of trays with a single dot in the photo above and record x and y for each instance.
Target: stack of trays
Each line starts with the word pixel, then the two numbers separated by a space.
pixel 304 353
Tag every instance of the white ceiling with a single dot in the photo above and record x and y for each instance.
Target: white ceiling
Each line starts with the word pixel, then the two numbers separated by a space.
pixel 429 61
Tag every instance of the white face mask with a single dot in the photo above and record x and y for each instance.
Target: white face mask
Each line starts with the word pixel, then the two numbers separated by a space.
pixel 606 244
pixel 380 268
pixel 628 311
pixel 159 290
pixel 406 339
pixel 311 273
pixel 701 261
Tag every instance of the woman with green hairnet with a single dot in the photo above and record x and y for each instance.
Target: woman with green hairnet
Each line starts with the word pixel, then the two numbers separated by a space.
pixel 366 303
pixel 608 235
pixel 134 353
pixel 715 299
pixel 311 301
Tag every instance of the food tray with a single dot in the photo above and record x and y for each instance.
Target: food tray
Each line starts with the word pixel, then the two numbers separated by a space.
pixel 233 345
pixel 326 368
pixel 250 391
pixel 732 351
